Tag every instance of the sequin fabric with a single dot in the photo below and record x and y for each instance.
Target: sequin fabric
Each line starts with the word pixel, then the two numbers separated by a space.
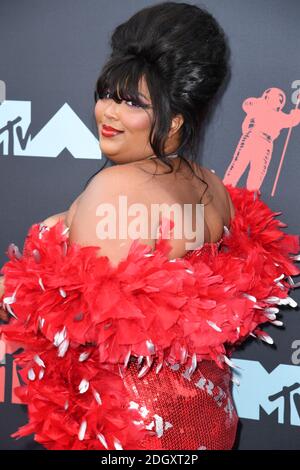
pixel 181 412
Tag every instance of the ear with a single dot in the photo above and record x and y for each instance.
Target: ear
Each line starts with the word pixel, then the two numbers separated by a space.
pixel 177 122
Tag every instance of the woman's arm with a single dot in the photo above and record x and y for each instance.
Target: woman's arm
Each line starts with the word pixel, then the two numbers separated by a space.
pixel 50 221
pixel 53 219
pixel 1 286
pixel 66 216
pixel 3 313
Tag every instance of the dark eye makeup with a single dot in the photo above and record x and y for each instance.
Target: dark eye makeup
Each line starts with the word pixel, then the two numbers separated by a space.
pixel 105 94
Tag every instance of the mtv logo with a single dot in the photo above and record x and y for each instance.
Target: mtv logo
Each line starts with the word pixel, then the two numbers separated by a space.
pixel 64 130
pixel 9 378
pixel 2 91
pixel 278 390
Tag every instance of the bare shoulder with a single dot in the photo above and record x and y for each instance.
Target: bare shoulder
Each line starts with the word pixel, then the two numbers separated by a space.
pixel 117 178
pixel 224 192
pixel 108 185
pixel 222 196
pixel 107 178
pixel 211 177
pixel 97 220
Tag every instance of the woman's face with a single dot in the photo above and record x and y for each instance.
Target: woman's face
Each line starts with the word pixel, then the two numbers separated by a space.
pixel 132 143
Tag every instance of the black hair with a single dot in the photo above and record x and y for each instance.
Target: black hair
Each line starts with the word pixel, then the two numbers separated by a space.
pixel 182 52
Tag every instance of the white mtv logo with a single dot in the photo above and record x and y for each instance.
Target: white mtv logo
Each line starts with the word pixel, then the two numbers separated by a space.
pixel 63 130
pixel 277 390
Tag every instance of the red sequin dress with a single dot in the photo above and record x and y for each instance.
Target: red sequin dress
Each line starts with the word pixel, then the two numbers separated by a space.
pixel 184 412
pixel 138 356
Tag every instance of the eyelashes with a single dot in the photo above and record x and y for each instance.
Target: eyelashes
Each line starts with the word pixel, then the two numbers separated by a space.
pixel 107 95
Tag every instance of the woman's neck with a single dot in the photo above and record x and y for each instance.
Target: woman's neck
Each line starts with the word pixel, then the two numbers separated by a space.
pixel 173 155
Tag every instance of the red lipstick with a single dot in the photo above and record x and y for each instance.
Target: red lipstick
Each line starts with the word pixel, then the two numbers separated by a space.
pixel 108 131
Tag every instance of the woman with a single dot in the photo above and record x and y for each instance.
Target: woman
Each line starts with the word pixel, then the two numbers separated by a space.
pixel 127 339
pixel 176 101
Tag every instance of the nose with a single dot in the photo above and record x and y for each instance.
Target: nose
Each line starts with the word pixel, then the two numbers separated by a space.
pixel 111 109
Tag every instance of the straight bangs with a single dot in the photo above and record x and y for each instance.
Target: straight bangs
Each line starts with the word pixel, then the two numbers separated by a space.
pixel 121 81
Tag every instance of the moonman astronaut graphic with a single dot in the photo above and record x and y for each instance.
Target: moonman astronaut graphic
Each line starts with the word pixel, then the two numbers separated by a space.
pixel 261 126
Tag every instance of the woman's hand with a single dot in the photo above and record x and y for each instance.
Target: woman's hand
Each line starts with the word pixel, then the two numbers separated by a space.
pixel 3 313
pixel 50 221
pixel 53 219
pixel 1 286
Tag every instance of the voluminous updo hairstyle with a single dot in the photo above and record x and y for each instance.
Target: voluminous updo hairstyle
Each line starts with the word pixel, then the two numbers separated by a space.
pixel 182 52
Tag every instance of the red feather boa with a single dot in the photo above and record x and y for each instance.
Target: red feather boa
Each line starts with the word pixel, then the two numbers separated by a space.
pixel 79 320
